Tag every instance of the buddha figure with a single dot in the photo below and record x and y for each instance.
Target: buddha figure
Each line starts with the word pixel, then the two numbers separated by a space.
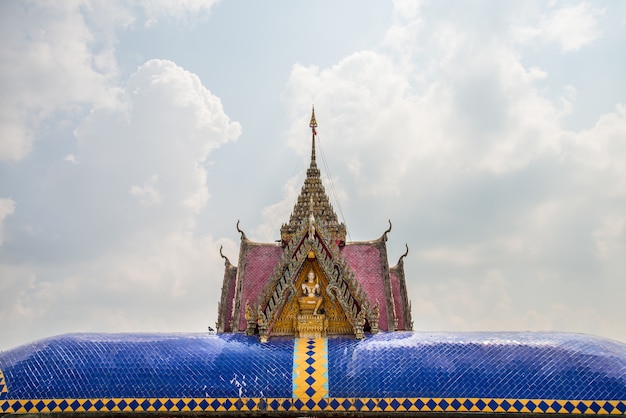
pixel 311 299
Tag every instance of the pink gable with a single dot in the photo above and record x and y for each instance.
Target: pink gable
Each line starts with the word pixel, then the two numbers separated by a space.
pixel 258 264
pixel 365 260
pixel 367 264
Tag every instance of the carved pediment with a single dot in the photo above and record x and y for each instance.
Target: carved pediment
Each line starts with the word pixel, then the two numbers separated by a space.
pixel 344 304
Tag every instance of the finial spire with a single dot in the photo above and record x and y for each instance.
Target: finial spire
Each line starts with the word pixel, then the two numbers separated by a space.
pixel 313 198
pixel 313 125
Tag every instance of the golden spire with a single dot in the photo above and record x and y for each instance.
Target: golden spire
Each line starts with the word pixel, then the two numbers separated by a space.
pixel 313 123
pixel 313 201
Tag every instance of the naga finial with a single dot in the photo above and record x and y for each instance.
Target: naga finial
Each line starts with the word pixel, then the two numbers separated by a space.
pixel 384 237
pixel 223 256
pixel 226 260
pixel 243 234
pixel 405 253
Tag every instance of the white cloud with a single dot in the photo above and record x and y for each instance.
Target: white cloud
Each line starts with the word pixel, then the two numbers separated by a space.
pixel 571 27
pixel 278 213
pixel 163 285
pixel 179 11
pixel 56 62
pixel 148 194
pixel 407 9
pixel 62 59
pixel 133 200
pixel 154 149
pixel 482 112
pixel 136 181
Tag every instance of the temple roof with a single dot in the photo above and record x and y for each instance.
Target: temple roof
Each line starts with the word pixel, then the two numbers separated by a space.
pixel 402 371
pixel 313 197
pixel 357 291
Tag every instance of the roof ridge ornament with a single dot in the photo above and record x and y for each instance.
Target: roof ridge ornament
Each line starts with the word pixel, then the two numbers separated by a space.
pixel 243 234
pixel 226 260
pixel 384 236
pixel 405 253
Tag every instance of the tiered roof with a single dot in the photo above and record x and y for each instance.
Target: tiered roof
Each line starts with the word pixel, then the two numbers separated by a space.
pixel 313 197
pixel 357 277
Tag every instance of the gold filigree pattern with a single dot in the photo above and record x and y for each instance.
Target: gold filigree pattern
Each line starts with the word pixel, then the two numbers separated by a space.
pixel 335 319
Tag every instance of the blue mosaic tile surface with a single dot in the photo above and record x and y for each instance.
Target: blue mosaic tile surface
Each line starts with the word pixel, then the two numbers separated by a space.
pixel 478 365
pixel 536 373
pixel 148 365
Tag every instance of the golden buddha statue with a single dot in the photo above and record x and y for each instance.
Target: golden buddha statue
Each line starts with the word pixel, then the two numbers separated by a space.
pixel 310 301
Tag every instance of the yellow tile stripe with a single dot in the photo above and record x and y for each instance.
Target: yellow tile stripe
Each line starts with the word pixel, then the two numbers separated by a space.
pixel 310 369
pixel 290 405
pixel 3 385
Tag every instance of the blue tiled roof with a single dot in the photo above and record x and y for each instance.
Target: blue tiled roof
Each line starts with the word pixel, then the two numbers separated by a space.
pixel 479 365
pixel 485 372
pixel 149 365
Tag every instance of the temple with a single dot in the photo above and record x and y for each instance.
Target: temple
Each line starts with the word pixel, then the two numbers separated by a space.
pixel 314 326
pixel 313 283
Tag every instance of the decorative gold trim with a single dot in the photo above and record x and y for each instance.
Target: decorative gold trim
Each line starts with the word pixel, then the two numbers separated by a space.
pixel 320 404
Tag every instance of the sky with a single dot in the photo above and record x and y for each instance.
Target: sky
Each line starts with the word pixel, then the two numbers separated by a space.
pixel 134 136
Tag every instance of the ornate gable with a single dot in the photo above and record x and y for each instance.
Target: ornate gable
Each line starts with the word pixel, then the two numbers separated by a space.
pixel 341 305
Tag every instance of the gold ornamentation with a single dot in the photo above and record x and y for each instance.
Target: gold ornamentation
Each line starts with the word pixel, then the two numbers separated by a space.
pixel 311 325
pixel 374 318
pixel 342 295
pixel 331 319
pixel 359 323
pixel 250 319
pixel 313 123
pixel 262 324
pixel 310 301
